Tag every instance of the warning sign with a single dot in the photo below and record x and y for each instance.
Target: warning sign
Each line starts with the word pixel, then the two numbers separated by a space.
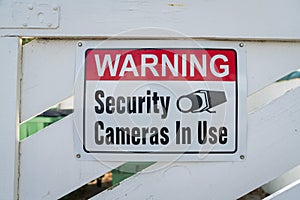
pixel 161 103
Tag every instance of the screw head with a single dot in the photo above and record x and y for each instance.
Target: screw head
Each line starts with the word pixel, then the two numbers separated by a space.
pixel 30 7
pixel 79 44
pixel 55 8
pixel 78 155
pixel 242 157
pixel 241 44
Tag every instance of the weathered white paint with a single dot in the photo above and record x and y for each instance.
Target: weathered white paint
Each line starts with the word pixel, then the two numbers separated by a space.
pixel 49 168
pixel 273 137
pixel 268 62
pixel 29 14
pixel 48 75
pixel 10 54
pixel 251 19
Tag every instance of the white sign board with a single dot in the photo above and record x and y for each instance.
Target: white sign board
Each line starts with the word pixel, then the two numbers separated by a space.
pixel 162 102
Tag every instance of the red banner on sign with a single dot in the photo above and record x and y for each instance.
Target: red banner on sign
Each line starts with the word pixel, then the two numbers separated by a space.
pixel 161 64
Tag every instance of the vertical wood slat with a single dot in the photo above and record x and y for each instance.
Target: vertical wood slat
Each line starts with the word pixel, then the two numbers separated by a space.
pixel 10 55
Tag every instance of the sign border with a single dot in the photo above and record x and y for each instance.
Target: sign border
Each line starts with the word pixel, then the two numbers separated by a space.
pixel 164 152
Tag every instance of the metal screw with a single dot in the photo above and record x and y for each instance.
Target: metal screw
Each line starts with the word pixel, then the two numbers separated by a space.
pixel 30 7
pixel 80 44
pixel 49 25
pixel 55 8
pixel 241 44
pixel 242 157
pixel 78 155
pixel 25 24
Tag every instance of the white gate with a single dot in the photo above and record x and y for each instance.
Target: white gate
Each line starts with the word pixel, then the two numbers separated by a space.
pixel 42 73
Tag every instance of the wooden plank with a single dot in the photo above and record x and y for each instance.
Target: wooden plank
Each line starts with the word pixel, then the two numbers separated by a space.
pixel 233 19
pixel 49 168
pixel 291 191
pixel 48 75
pixel 268 62
pixel 282 181
pixel 10 55
pixel 273 136
pixel 49 68
pixel 271 92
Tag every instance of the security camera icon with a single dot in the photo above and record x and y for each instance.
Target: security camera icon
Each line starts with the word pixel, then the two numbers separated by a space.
pixel 200 101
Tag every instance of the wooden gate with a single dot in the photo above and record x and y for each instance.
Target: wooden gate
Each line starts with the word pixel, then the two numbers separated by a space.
pixel 42 73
